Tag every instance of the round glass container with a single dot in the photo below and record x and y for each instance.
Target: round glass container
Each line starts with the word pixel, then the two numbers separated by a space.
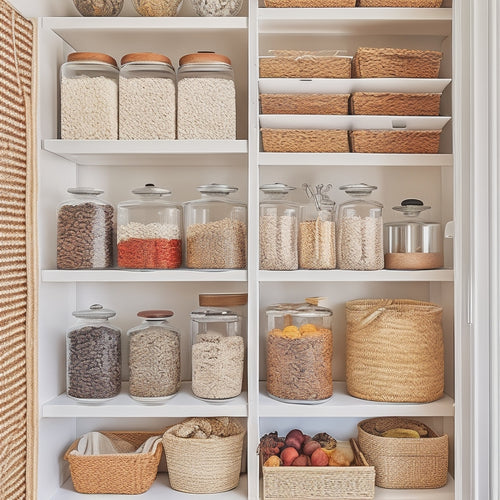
pixel 413 243
pixel 206 97
pixel 278 227
pixel 89 96
pixel 299 352
pixel 217 8
pixel 149 230
pixel 84 231
pixel 93 356
pixel 91 8
pixel 154 358
pixel 157 8
pixel 147 97
pixel 218 354
pixel 216 229
pixel 360 230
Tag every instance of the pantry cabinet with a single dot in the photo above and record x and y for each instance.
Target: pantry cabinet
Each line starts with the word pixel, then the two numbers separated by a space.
pixel 443 180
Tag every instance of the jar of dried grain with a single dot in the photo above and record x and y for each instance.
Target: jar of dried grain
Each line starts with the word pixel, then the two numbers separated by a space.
pixel 218 354
pixel 93 356
pixel 206 102
pixel 360 230
pixel 89 97
pixel 84 230
pixel 216 229
pixel 147 97
pixel 149 230
pixel 299 352
pixel 157 8
pixel 154 358
pixel 278 226
pixel 98 7
pixel 212 8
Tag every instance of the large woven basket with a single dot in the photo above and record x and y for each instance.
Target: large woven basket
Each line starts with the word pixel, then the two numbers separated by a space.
pixel 400 3
pixel 304 64
pixel 304 104
pixel 394 104
pixel 394 350
pixel 304 141
pixel 203 465
pixel 310 3
pixel 396 63
pixel 395 141
pixel 127 473
pixel 404 462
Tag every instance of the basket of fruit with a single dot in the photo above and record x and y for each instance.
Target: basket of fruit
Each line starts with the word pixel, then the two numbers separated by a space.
pixel 298 464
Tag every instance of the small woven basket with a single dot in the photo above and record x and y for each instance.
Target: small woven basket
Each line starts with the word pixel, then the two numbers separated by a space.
pixel 304 104
pixel 400 3
pixel 396 63
pixel 395 141
pixel 127 473
pixel 310 3
pixel 394 350
pixel 203 465
pixel 404 462
pixel 304 141
pixel 394 104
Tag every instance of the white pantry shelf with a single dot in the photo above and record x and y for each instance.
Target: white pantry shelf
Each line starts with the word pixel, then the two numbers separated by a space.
pixel 149 153
pixel 141 275
pixel 183 404
pixel 343 405
pixel 357 21
pixel 447 492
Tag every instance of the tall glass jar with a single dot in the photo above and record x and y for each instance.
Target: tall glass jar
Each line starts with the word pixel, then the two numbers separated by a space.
pixel 84 230
pixel 206 100
pixel 218 354
pixel 278 227
pixel 216 229
pixel 360 230
pixel 149 231
pixel 89 96
pixel 217 8
pixel 93 356
pixel 147 97
pixel 154 358
pixel 299 352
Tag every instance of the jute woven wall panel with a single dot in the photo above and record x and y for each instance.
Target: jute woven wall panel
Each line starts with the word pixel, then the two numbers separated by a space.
pixel 17 269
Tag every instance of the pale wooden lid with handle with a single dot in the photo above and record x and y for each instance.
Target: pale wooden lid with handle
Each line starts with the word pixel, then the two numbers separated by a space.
pixel 92 56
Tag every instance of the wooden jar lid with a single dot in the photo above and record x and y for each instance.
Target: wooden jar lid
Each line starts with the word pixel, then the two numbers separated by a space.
pixel 145 57
pixel 222 299
pixel 92 56
pixel 155 314
pixel 204 57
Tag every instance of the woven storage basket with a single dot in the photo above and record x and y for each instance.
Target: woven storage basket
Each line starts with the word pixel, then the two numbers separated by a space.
pixel 304 104
pixel 310 3
pixel 203 465
pixel 304 141
pixel 394 350
pixel 400 3
pixel 404 462
pixel 127 473
pixel 396 63
pixel 394 104
pixel 395 141
pixel 304 64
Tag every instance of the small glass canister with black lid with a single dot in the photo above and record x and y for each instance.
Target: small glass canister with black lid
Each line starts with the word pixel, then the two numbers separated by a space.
pixel 93 356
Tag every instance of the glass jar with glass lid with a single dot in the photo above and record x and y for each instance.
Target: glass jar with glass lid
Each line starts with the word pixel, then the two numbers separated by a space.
pixel 216 229
pixel 93 356
pixel 149 230
pixel 154 358
pixel 360 230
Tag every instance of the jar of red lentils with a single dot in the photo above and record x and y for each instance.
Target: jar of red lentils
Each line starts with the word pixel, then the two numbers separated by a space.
pixel 149 230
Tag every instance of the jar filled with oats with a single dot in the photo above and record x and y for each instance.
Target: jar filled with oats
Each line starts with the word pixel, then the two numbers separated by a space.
pixel 278 224
pixel 147 97
pixel 154 358
pixel 218 354
pixel 89 96
pixel 216 229
pixel 360 230
pixel 299 352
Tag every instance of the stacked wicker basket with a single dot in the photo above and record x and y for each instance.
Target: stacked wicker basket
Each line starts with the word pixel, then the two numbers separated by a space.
pixel 353 3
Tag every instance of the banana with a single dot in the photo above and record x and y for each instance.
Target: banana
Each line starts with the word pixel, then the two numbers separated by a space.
pixel 399 432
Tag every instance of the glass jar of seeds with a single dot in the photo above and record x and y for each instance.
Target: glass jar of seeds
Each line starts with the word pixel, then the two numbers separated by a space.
pixel 149 230
pixel 278 224
pixel 89 96
pixel 93 356
pixel 360 230
pixel 206 100
pixel 218 354
pixel 212 8
pixel 216 229
pixel 147 97
pixel 154 358
pixel 84 230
